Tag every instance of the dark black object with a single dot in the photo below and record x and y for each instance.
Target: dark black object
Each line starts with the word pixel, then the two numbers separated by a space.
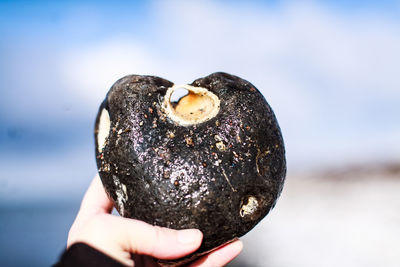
pixel 220 171
pixel 83 255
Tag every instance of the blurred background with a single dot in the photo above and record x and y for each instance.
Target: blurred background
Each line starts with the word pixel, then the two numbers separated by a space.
pixel 329 69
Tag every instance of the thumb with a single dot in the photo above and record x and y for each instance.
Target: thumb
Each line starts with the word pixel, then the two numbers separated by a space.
pixel 141 238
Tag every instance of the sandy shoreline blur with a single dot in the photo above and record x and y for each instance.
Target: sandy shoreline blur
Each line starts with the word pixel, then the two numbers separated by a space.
pixel 342 217
pixel 338 217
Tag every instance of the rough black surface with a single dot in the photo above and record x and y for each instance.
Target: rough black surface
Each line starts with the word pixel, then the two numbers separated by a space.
pixel 178 177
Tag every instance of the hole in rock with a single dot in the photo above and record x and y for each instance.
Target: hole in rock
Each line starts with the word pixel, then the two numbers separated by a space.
pixel 187 105
pixel 177 95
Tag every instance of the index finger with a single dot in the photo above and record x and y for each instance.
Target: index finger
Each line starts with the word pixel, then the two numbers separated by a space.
pixel 95 200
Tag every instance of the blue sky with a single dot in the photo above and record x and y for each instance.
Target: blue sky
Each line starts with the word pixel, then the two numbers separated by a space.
pixel 329 69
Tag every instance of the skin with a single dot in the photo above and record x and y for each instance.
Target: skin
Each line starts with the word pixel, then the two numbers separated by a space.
pixel 120 238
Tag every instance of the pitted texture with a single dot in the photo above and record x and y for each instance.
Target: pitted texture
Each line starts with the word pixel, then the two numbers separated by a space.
pixel 198 176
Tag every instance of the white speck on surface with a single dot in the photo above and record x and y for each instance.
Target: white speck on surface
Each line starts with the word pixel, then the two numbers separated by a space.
pixel 217 137
pixel 221 146
pixel 122 196
pixel 227 179
pixel 250 207
pixel 217 162
pixel 103 130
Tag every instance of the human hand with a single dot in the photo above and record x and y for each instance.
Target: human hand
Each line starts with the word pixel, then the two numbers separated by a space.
pixel 120 237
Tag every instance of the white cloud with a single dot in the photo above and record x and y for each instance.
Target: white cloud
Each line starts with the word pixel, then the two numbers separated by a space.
pixel 319 69
pixel 92 69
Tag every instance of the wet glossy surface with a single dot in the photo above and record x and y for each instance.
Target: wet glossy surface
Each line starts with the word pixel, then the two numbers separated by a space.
pixel 200 176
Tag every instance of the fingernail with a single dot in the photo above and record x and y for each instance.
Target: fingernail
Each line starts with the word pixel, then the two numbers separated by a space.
pixel 189 236
pixel 238 245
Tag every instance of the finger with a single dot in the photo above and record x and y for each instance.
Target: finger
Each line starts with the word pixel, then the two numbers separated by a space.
pixel 141 238
pixel 221 256
pixel 95 200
